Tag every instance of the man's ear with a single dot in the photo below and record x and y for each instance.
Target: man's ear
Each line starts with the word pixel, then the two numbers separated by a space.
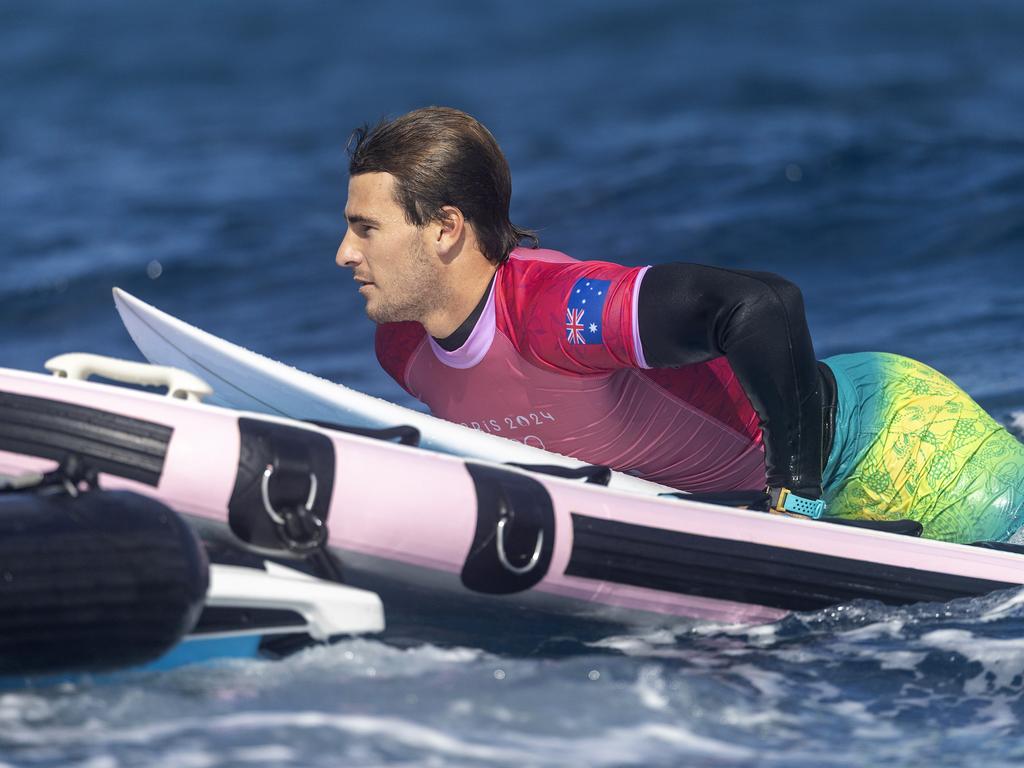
pixel 449 230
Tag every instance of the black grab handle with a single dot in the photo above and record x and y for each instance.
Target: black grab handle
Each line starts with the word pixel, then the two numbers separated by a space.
pixel 589 473
pixel 403 433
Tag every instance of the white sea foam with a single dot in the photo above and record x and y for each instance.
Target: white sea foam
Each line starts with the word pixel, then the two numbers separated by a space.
pixel 745 717
pixel 388 728
pixel 1017 422
pixel 879 629
pixel 104 761
pixel 772 691
pixel 764 634
pixel 682 737
pixel 186 758
pixel 650 689
pixel 182 742
pixel 1003 660
pixel 1011 605
pixel 639 644
pixel 771 685
pixel 896 660
pixel 270 754
pixel 640 744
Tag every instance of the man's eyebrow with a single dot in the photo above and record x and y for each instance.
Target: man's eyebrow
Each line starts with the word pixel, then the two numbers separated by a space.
pixel 357 218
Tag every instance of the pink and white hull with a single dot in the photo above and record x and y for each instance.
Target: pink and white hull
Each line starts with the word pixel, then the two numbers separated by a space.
pixel 426 529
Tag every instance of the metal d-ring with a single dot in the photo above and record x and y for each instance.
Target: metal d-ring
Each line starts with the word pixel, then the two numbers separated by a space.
pixel 503 558
pixel 265 492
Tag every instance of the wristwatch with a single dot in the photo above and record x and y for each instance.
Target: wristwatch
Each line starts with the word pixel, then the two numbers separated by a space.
pixel 784 500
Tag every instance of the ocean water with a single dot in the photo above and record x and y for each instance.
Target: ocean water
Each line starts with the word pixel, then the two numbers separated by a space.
pixel 193 153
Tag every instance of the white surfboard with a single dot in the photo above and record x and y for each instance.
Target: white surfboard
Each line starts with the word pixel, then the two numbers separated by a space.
pixel 249 381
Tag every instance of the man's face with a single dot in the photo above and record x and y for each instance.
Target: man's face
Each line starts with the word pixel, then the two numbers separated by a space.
pixel 391 260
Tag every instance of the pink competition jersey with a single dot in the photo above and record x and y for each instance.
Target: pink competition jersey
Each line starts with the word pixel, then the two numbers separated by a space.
pixel 555 361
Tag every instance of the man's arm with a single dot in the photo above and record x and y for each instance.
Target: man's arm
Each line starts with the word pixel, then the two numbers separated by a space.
pixel 690 313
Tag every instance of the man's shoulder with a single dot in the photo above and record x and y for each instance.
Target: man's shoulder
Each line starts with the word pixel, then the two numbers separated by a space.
pixel 534 277
pixel 395 344
pixel 523 257
pixel 575 316
pixel 530 271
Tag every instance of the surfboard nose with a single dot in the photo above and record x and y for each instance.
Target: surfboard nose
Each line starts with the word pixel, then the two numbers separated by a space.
pixel 122 298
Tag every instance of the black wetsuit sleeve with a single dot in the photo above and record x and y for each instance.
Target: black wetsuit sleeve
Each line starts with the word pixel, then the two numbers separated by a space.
pixel 690 313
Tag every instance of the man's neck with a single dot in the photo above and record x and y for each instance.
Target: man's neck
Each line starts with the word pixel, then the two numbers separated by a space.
pixel 461 335
pixel 465 290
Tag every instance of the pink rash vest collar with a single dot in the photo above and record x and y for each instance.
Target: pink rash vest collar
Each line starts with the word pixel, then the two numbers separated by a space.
pixel 478 343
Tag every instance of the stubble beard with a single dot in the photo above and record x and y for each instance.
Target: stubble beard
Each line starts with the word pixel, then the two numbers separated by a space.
pixel 412 294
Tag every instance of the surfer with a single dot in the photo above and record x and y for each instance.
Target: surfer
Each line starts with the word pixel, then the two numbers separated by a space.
pixel 697 377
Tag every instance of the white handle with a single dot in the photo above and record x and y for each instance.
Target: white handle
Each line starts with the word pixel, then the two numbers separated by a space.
pixel 180 384
pixel 327 608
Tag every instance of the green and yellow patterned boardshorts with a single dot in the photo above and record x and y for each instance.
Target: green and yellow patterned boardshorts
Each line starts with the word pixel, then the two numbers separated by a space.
pixel 909 443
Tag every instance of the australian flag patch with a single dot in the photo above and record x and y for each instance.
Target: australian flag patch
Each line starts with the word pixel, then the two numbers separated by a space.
pixel 584 310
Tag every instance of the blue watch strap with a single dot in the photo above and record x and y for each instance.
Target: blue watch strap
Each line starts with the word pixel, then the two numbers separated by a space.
pixel 790 502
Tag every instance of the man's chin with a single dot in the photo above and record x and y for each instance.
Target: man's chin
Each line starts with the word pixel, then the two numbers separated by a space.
pixel 384 312
pixel 372 308
pixel 379 314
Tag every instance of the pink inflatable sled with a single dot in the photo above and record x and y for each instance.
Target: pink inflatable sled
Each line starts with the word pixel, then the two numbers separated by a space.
pixel 436 536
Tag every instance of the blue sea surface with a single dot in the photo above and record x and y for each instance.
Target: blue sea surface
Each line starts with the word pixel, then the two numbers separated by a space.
pixel 193 153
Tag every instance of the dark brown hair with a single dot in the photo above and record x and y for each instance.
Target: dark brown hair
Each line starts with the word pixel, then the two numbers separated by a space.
pixel 440 156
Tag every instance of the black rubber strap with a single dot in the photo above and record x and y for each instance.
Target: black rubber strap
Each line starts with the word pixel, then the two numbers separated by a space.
pixel 402 433
pixel 595 474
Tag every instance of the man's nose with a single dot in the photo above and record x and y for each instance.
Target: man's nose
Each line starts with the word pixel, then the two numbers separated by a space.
pixel 347 255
